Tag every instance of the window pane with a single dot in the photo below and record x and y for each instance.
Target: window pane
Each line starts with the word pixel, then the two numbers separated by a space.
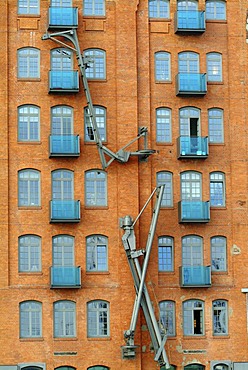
pixel 96 63
pixel 62 185
pixel 167 317
pixel 193 317
pixel 28 123
pixel 191 186
pixel 192 253
pixel 96 253
pixel 30 319
pixel 100 115
pixel 215 9
pixel 215 125
pixel 218 253
pixel 163 125
pixel 28 188
pixel 64 319
pixel 98 319
pixel 214 67
pixel 159 9
pixel 187 5
pixel 166 178
pixel 29 253
pixel 162 66
pixel 96 188
pixel 28 7
pixel 217 189
pixel 94 7
pixel 220 318
pixel 28 63
pixel 165 254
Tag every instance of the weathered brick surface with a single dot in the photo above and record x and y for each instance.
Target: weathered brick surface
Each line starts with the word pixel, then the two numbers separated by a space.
pixel 131 96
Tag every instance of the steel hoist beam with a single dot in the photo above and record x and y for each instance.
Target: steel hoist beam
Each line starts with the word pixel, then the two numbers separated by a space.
pixel 107 156
pixel 142 299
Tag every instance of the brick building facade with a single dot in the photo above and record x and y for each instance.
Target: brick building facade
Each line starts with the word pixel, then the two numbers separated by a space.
pixel 179 69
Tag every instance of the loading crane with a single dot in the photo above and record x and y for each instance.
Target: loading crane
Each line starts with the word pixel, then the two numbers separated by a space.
pixel 107 156
pixel 142 299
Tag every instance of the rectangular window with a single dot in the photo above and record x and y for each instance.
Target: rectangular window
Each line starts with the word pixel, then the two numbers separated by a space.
pixel 94 7
pixel 31 7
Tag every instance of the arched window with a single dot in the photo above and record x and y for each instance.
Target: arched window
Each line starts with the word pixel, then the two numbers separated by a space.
pixel 64 319
pixel 187 5
pixel 167 317
pixel 189 120
pixel 194 367
pixel 65 368
pixel 216 10
pixel 163 125
pixel 30 319
pixel 98 318
pixel 62 3
pixel 217 189
pixel 188 62
pixel 159 9
pixel 218 253
pixel 28 63
pixel 95 188
pixel 220 317
pixel 192 250
pixel 165 254
pixel 63 250
pixel 29 253
pixel 62 185
pixel 62 120
pixel 191 186
pixel 28 188
pixel 165 178
pixel 96 253
pixel 100 115
pixel 96 64
pixel 215 126
pixel 193 318
pixel 61 59
pixel 94 7
pixel 214 67
pixel 162 66
pixel 28 123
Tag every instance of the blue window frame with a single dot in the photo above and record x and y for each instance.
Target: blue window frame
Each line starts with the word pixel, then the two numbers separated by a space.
pixel 165 254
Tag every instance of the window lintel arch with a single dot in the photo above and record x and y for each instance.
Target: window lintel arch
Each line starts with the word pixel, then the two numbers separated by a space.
pixel 30 234
pixel 29 301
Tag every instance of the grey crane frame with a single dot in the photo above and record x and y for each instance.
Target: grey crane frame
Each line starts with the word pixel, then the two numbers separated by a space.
pixel 121 155
pixel 158 337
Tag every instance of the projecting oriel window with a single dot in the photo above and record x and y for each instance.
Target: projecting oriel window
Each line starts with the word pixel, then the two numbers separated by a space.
pixel 162 66
pixel 98 319
pixel 218 253
pixel 214 67
pixel 159 9
pixel 96 188
pixel 165 178
pixel 163 125
pixel 220 317
pixel 165 254
pixel 64 319
pixel 28 188
pixel 31 7
pixel 96 253
pixel 215 126
pixel 193 319
pixel 96 64
pixel 167 317
pixel 28 63
pixel 94 7
pixel 217 189
pixel 29 253
pixel 100 115
pixel 28 123
pixel 216 10
pixel 30 319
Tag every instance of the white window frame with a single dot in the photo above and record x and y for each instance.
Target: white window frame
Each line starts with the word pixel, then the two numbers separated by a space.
pixel 217 189
pixel 65 313
pixel 92 8
pixel 28 66
pixel 159 9
pixel 163 125
pixel 216 125
pixel 28 123
pixel 212 14
pixel 96 253
pixel 28 179
pixel 162 66
pixel 96 64
pixel 214 67
pixel 26 7
pixel 101 121
pixel 98 319
pixel 31 318
pixel 167 317
pixel 166 178
pixel 96 188
pixel 218 253
pixel 220 317
pixel 165 254
pixel 29 247
pixel 190 309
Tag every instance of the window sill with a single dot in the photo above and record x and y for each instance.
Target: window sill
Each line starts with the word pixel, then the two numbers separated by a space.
pixel 219 208
pixel 159 19
pixel 215 82
pixel 96 207
pixel 216 144
pixel 167 208
pixel 28 16
pixel 224 336
pixel 66 339
pixel 97 273
pixel 94 143
pixel 160 143
pixel 29 79
pixel 194 336
pixel 30 273
pixel 98 80
pixel 167 273
pixel 221 21
pixel 99 339
pixel 163 82
pixel 216 272
pixel 29 208
pixel 38 142
pixel 41 339
pixel 94 16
